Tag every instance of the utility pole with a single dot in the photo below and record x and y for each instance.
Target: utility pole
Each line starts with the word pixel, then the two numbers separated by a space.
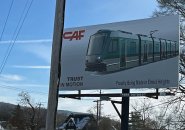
pixel 97 112
pixel 55 65
pixel 100 107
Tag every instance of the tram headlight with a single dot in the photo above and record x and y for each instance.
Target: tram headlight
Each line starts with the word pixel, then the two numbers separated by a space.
pixel 99 59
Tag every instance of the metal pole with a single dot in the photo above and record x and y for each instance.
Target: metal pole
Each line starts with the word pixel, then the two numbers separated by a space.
pixel 55 65
pixel 100 107
pixel 97 112
pixel 125 110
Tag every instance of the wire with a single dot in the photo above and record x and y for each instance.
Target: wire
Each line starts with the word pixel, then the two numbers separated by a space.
pixel 167 102
pixel 12 42
pixel 6 19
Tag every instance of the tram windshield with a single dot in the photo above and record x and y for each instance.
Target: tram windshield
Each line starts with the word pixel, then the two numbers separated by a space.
pixel 96 44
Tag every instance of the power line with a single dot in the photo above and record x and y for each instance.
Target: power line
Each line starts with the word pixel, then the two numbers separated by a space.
pixel 6 19
pixel 11 44
pixel 15 36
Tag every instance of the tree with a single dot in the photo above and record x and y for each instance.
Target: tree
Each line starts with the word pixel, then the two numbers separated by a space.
pixel 17 119
pixel 144 117
pixel 135 120
pixel 105 122
pixel 168 7
pixel 30 113
pixel 34 115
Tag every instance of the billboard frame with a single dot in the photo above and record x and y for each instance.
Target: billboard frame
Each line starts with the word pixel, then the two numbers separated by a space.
pixel 74 79
pixel 124 115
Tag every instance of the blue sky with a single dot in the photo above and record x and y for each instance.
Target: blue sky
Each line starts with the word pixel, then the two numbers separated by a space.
pixel 28 65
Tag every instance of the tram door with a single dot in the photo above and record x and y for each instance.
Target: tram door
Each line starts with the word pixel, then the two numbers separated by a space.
pixel 163 50
pixel 122 54
pixel 145 53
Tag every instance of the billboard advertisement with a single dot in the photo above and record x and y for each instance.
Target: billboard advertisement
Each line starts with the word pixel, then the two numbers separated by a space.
pixel 132 54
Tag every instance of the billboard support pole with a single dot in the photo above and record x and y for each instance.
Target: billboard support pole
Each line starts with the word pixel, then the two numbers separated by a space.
pixel 157 93
pixel 125 110
pixel 113 103
pixel 55 70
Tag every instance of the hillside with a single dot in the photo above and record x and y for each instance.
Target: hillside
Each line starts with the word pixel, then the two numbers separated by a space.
pixel 6 111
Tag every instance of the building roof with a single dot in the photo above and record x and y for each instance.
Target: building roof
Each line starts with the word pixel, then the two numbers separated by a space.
pixel 76 120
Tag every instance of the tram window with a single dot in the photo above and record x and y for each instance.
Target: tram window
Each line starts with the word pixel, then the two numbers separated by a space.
pixel 150 47
pixel 173 48
pixel 142 46
pixel 168 47
pixel 96 44
pixel 113 46
pixel 157 49
pixel 132 48
pixel 163 49
pixel 163 46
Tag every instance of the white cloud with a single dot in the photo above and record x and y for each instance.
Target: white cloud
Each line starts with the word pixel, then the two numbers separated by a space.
pixel 27 41
pixel 74 105
pixel 36 47
pixel 42 51
pixel 31 67
pixel 22 85
pixel 11 77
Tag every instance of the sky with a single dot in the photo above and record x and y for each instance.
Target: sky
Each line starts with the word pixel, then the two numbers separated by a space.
pixel 27 67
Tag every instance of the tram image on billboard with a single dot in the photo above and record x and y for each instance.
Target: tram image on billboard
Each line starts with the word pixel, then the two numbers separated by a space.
pixel 110 50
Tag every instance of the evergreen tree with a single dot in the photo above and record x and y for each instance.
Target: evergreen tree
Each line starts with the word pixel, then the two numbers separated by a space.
pixel 136 122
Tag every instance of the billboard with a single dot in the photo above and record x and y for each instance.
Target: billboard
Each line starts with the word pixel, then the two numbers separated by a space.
pixel 132 54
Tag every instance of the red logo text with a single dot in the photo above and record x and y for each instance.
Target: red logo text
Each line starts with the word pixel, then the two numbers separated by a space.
pixel 77 35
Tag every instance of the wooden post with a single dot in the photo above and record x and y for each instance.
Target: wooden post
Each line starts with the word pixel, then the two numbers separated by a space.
pixel 55 65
